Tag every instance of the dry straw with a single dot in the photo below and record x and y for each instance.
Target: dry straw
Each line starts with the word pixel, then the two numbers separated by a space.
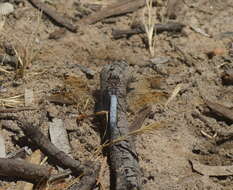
pixel 6 8
pixel 142 130
pixel 149 24
pixel 13 101
pixel 174 94
pixel 28 53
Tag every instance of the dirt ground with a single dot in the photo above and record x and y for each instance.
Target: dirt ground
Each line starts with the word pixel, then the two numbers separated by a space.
pixel 165 153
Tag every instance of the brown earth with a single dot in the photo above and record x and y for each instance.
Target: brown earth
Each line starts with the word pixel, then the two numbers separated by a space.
pixel 164 154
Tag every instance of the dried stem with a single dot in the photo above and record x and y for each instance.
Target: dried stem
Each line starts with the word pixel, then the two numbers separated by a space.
pixel 149 24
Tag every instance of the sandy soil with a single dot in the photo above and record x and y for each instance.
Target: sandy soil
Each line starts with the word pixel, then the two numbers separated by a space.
pixel 164 154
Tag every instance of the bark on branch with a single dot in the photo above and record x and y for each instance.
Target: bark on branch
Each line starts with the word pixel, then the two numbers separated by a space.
pixel 24 170
pixel 61 158
pixel 119 8
pixel 49 149
pixel 219 110
pixel 61 20
pixel 125 173
pixel 140 29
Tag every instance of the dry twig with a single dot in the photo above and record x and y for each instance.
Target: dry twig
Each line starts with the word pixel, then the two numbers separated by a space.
pixel 61 20
pixel 212 170
pixel 219 110
pixel 88 169
pixel 22 169
pixel 125 173
pixel 119 8
pixel 140 29
pixel 12 110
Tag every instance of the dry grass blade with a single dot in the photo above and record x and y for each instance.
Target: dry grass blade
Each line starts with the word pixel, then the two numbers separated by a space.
pixel 149 24
pixel 28 51
pixel 84 116
pixel 4 71
pixel 44 160
pixel 142 130
pixel 12 101
pixel 145 129
pixel 207 135
pixel 174 94
pixel 30 54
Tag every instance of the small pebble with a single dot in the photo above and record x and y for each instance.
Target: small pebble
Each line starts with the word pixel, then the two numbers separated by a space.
pixel 3 89
pixel 159 60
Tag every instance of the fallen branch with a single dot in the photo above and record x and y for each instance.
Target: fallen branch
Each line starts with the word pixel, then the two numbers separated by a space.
pixel 60 20
pixel 21 169
pixel 88 169
pixel 11 110
pixel 119 8
pixel 35 158
pixel 124 168
pixel 140 29
pixel 219 110
pixel 86 183
pixel 50 149
pixel 211 170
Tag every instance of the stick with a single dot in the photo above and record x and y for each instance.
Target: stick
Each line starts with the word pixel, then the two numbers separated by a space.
pixel 219 110
pixel 35 158
pixel 89 170
pixel 10 110
pixel 117 34
pixel 50 149
pixel 59 176
pixel 86 183
pixel 125 173
pixel 140 29
pixel 212 170
pixel 22 169
pixel 119 8
pixel 60 20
